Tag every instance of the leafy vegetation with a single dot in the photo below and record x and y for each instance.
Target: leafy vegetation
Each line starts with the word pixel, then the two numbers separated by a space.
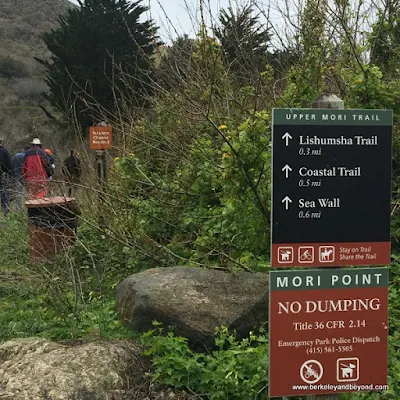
pixel 236 370
pixel 189 177
pixel 41 300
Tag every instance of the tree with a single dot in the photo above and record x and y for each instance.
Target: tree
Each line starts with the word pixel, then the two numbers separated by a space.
pixel 176 62
pixel 306 79
pixel 244 41
pixel 385 38
pixel 101 55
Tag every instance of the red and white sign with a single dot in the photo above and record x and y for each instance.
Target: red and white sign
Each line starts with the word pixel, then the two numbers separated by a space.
pixel 330 254
pixel 100 137
pixel 326 254
pixel 328 331
pixel 348 369
pixel 311 371
pixel 306 254
pixel 286 255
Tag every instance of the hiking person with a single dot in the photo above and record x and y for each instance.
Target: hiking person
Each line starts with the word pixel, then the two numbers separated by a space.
pixel 17 162
pixel 72 171
pixel 36 170
pixel 52 162
pixel 5 174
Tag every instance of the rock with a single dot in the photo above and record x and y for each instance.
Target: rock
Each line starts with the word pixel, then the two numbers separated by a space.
pixel 194 301
pixel 36 369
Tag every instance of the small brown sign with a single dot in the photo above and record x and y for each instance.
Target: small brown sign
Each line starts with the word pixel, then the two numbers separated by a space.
pixel 100 137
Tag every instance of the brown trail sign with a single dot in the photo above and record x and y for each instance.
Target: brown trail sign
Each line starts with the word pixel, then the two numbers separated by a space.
pixel 100 137
pixel 328 331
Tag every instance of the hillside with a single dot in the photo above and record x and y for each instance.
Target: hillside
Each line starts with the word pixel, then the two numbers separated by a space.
pixel 22 22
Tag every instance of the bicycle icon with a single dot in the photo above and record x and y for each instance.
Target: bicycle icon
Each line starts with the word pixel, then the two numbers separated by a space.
pixel 306 254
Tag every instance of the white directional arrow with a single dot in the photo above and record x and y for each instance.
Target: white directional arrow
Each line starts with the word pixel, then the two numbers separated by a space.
pixel 287 169
pixel 287 200
pixel 286 137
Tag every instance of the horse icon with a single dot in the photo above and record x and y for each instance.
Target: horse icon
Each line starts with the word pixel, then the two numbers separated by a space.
pixel 326 254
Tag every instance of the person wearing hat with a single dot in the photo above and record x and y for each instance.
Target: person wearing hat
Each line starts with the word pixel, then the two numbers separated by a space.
pixel 36 170
pixel 5 174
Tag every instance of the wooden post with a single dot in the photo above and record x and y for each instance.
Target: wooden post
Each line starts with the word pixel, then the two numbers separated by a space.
pixel 101 168
pixel 334 102
pixel 328 101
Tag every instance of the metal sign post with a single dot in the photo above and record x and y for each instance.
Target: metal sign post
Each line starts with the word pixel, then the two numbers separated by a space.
pixel 101 168
pixel 100 141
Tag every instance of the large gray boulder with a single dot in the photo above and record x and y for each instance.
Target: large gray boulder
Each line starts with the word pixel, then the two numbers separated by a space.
pixel 36 369
pixel 194 301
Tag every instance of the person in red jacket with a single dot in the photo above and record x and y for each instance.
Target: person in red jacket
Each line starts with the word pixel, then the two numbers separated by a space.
pixel 36 170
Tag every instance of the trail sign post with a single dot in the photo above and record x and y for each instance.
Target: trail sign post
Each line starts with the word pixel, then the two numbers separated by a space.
pixel 100 137
pixel 331 187
pixel 327 101
pixel 328 331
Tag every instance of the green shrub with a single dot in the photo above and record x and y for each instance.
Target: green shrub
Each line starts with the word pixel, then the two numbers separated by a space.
pixel 10 68
pixel 212 208
pixel 14 250
pixel 68 298
pixel 236 370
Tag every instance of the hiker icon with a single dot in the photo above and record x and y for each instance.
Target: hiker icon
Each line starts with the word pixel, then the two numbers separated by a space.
pixel 311 371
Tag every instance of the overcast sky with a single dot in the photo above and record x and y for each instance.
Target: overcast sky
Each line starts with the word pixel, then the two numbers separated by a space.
pixel 181 13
